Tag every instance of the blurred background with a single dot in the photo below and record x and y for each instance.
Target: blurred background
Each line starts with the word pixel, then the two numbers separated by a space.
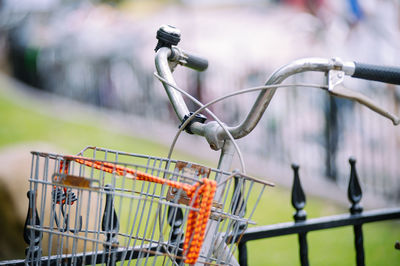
pixel 94 60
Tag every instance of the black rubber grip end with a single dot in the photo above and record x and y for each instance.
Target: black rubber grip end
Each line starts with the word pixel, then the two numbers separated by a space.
pixel 196 63
pixel 377 73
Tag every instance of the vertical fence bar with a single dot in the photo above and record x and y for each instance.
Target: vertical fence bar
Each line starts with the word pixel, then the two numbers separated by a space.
pixel 175 220
pixel 238 207
pixel 354 194
pixel 242 249
pixel 110 226
pixel 299 202
pixel 359 243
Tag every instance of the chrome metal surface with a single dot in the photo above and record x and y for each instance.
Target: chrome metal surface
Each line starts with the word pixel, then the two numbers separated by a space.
pixel 224 164
pixel 175 97
pixel 336 77
pixel 349 67
pixel 265 97
pixel 164 71
pixel 343 92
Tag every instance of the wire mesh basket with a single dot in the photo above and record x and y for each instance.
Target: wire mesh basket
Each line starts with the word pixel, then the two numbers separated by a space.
pixel 104 206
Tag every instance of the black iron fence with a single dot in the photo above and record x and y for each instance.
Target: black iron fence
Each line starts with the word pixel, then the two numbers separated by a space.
pixel 302 226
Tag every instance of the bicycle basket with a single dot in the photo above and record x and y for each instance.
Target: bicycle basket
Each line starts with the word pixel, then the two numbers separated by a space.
pixel 104 206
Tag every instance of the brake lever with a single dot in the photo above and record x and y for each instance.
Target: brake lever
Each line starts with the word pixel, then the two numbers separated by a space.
pixel 335 87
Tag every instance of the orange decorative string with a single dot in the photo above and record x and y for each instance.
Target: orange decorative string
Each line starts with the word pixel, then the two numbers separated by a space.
pixel 197 220
pixel 63 169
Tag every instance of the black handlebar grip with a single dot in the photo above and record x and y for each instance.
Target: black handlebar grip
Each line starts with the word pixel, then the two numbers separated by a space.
pixel 377 73
pixel 195 62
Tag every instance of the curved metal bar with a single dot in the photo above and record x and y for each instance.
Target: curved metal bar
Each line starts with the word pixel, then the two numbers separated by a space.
pixel 205 106
pixel 175 97
pixel 164 70
pixel 265 96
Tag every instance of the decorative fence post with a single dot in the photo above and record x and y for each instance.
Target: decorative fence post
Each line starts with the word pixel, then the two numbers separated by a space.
pixel 32 237
pixel 299 202
pixel 175 220
pixel 110 226
pixel 242 249
pixel 354 194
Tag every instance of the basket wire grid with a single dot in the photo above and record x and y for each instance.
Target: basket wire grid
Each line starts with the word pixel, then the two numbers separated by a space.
pixel 95 208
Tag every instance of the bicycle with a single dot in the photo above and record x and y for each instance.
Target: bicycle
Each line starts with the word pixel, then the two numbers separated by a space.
pixel 106 206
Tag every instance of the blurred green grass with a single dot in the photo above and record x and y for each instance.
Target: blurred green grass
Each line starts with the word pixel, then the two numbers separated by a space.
pixel 22 122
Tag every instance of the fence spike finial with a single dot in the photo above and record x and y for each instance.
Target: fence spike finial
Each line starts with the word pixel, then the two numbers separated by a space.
pixel 354 192
pixel 298 196
pixel 32 236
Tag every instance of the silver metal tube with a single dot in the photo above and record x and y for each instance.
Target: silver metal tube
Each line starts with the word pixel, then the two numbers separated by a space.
pixel 175 97
pixel 164 71
pixel 265 96
pixel 349 67
pixel 224 164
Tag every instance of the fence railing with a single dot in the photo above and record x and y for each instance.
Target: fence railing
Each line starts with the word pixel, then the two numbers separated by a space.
pixel 301 226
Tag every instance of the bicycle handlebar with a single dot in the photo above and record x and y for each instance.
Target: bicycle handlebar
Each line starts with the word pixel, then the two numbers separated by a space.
pixel 168 58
